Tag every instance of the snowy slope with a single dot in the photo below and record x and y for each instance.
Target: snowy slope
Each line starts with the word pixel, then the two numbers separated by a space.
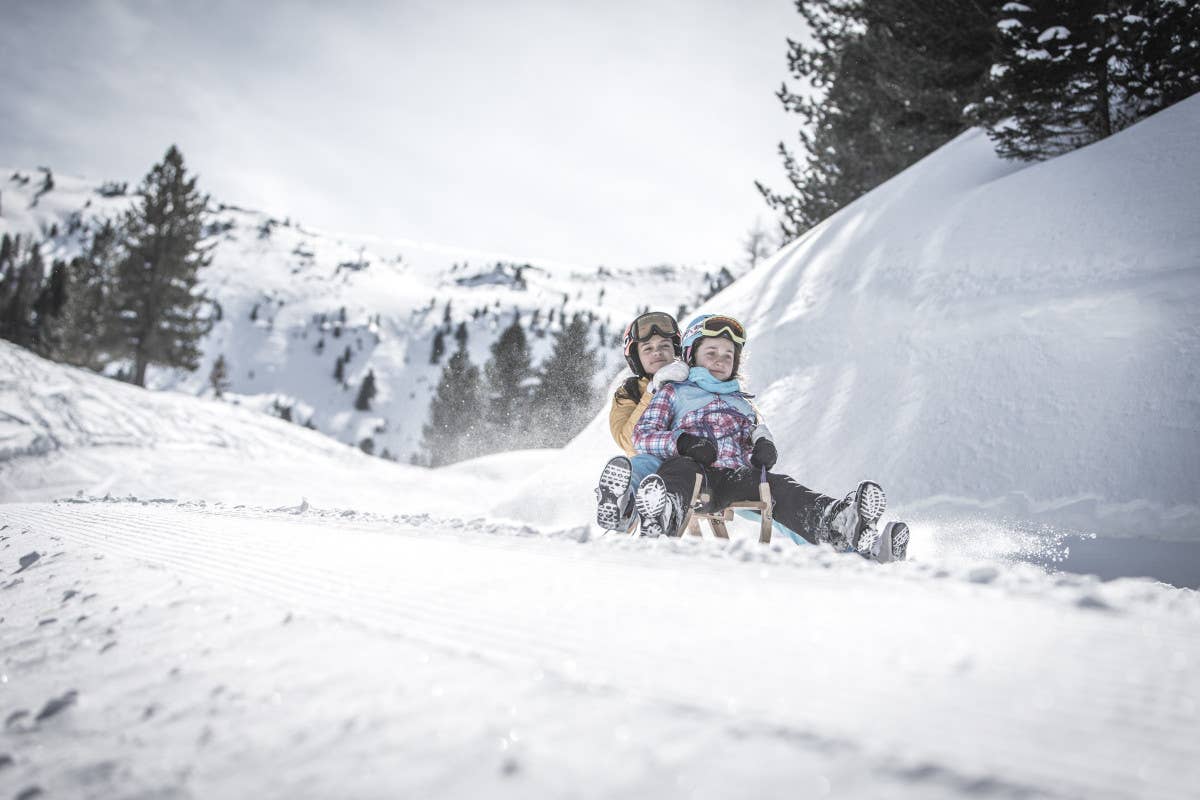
pixel 65 431
pixel 294 299
pixel 989 340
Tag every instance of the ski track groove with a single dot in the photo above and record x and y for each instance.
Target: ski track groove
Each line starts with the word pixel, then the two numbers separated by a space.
pixel 459 619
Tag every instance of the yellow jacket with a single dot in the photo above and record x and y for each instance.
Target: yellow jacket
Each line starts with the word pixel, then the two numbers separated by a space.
pixel 625 413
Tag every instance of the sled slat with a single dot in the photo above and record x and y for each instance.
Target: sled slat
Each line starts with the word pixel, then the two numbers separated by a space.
pixel 717 519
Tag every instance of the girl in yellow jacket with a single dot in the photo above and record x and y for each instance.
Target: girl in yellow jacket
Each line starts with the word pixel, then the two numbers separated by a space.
pixel 652 346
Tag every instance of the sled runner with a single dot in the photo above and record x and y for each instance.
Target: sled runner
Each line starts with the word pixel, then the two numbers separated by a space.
pixel 717 518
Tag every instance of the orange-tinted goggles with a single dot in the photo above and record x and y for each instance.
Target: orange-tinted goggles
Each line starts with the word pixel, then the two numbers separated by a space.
pixel 724 326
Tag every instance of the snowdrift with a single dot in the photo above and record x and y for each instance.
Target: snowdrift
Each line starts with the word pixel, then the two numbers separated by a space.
pixel 989 340
pixel 66 431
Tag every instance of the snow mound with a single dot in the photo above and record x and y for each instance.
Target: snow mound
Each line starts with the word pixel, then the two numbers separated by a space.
pixel 987 339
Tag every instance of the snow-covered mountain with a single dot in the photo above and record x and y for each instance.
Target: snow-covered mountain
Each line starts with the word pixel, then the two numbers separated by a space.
pixel 294 300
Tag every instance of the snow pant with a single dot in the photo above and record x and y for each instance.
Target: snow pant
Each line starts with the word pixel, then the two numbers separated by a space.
pixel 795 506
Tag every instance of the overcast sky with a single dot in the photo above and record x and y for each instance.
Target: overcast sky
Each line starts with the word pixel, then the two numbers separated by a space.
pixel 619 133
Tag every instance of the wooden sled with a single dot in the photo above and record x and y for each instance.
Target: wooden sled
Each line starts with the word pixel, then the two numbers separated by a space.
pixel 717 519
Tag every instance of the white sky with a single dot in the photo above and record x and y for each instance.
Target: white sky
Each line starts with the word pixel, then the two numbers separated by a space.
pixel 617 132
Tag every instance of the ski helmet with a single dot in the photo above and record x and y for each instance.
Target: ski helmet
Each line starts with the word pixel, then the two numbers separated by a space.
pixel 642 328
pixel 714 325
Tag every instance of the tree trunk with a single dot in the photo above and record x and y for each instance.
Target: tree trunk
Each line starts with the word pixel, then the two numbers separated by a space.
pixel 1103 82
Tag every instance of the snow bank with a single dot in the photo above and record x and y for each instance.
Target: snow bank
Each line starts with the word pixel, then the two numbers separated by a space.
pixel 987 339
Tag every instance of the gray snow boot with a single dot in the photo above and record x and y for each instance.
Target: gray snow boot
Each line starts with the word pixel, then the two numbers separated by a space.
pixel 849 524
pixel 895 536
pixel 655 506
pixel 614 505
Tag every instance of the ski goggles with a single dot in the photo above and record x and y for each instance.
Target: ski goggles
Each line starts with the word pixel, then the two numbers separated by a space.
pixel 656 323
pixel 729 327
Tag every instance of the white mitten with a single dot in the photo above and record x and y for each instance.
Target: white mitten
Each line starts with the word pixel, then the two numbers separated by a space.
pixel 672 373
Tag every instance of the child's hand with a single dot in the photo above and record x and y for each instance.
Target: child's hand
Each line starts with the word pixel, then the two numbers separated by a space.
pixel 633 387
pixel 672 373
pixel 697 447
pixel 765 455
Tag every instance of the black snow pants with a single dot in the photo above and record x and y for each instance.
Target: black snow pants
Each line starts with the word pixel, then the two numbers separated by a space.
pixel 798 507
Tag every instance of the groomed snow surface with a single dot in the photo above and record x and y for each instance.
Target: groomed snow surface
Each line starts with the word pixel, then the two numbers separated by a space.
pixel 203 601
pixel 157 649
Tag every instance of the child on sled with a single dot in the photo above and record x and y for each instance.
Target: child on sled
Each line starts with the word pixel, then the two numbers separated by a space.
pixel 652 345
pixel 705 425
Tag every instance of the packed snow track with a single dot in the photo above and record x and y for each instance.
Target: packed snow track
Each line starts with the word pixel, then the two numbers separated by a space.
pixel 191 650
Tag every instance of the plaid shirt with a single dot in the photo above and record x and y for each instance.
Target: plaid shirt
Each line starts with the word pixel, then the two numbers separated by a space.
pixel 658 430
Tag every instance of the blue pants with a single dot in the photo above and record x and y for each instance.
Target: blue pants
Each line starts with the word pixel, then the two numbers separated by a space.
pixel 642 465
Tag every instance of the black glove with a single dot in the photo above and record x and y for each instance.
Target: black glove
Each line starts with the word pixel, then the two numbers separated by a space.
pixel 633 387
pixel 765 454
pixel 696 447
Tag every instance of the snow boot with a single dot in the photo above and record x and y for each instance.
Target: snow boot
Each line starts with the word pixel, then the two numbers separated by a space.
pixel 890 544
pixel 656 507
pixel 895 536
pixel 849 524
pixel 614 505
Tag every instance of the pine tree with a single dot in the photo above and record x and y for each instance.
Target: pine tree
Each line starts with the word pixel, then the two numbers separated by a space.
pixel 339 370
pixel 1071 72
pixel 891 78
pixel 508 372
pixel 218 378
pixel 22 286
pixel 163 315
pixel 460 334
pixel 366 392
pixel 439 348
pixel 1052 86
pixel 1164 38
pixel 9 276
pixel 563 400
pixel 453 430
pixel 47 310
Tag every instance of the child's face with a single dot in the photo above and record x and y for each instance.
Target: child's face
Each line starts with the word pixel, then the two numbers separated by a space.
pixel 716 356
pixel 655 353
